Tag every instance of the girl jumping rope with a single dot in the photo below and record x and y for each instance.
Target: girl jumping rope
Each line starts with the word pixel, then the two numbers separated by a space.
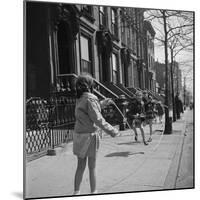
pixel 136 116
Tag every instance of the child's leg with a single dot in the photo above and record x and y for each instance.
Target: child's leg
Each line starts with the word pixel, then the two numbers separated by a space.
pixel 136 135
pixel 150 129
pixel 79 173
pixel 143 136
pixel 92 173
pixel 132 124
pixel 135 130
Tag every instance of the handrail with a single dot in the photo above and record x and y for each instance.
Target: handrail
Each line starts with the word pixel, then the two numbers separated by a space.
pixel 130 97
pixel 101 95
pixel 105 88
pixel 31 98
pixel 63 75
pixel 139 89
pixel 131 90
pixel 152 93
pixel 128 92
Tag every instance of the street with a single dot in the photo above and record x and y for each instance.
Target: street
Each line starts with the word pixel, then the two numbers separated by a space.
pixel 123 165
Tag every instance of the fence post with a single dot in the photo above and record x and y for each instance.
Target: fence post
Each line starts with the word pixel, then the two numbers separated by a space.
pixel 51 151
pixel 122 104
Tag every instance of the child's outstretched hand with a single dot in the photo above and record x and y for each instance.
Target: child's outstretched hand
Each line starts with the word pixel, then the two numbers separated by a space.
pixel 115 133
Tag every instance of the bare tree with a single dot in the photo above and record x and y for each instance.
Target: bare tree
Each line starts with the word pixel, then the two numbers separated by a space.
pixel 174 31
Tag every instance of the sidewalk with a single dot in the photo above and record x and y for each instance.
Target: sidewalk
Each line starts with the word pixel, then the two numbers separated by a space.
pixel 123 165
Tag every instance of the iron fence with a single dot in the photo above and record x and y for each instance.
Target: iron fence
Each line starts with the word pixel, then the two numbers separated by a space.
pixel 48 123
pixel 37 130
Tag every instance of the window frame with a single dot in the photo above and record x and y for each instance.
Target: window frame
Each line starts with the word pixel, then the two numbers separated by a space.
pixel 103 14
pixel 114 25
pixel 115 71
pixel 90 53
pixel 88 12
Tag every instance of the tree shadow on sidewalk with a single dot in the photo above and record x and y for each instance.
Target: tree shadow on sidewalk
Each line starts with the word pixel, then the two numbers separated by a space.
pixel 129 143
pixel 123 154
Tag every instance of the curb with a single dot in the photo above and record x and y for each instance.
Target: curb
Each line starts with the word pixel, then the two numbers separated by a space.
pixel 170 181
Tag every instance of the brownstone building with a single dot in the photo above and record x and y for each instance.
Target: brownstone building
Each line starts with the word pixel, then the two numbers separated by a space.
pixel 115 45
pixel 107 42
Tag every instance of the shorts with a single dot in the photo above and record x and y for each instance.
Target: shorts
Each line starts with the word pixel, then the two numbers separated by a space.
pixel 137 123
pixel 86 144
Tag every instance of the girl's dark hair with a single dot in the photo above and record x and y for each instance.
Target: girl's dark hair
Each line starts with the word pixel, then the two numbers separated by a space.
pixel 84 83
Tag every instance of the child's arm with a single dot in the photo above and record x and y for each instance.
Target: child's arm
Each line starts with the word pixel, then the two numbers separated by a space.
pixel 95 115
pixel 105 102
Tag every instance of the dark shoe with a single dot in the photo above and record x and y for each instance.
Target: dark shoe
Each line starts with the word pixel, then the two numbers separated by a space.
pixel 136 138
pixel 145 143
pixel 149 140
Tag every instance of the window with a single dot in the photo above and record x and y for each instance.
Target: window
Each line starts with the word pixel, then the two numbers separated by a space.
pixel 129 36
pixel 123 31
pixel 130 75
pixel 87 9
pixel 114 25
pixel 134 41
pixel 86 55
pixel 114 67
pixel 102 16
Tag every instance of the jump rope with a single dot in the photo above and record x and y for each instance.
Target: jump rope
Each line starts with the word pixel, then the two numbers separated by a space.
pixel 124 119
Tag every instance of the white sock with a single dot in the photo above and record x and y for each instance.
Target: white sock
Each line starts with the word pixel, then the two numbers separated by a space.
pixel 77 192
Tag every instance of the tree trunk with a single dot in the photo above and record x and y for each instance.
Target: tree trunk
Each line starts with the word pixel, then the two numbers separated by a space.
pixel 168 125
pixel 172 86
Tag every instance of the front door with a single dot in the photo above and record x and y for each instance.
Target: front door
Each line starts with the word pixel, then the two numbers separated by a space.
pixel 65 49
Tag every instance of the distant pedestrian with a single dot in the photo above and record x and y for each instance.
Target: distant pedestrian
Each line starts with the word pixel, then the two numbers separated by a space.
pixel 191 105
pixel 179 106
pixel 86 133
pixel 160 111
pixel 136 116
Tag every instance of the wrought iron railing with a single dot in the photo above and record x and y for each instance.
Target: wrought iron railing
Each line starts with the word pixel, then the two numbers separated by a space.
pixel 48 122
pixel 62 117
pixel 63 106
pixel 37 125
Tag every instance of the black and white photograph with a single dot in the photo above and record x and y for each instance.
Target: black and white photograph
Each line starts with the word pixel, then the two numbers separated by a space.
pixel 108 99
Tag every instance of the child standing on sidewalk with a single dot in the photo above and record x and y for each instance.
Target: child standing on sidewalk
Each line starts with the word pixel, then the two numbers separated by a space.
pixel 86 136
